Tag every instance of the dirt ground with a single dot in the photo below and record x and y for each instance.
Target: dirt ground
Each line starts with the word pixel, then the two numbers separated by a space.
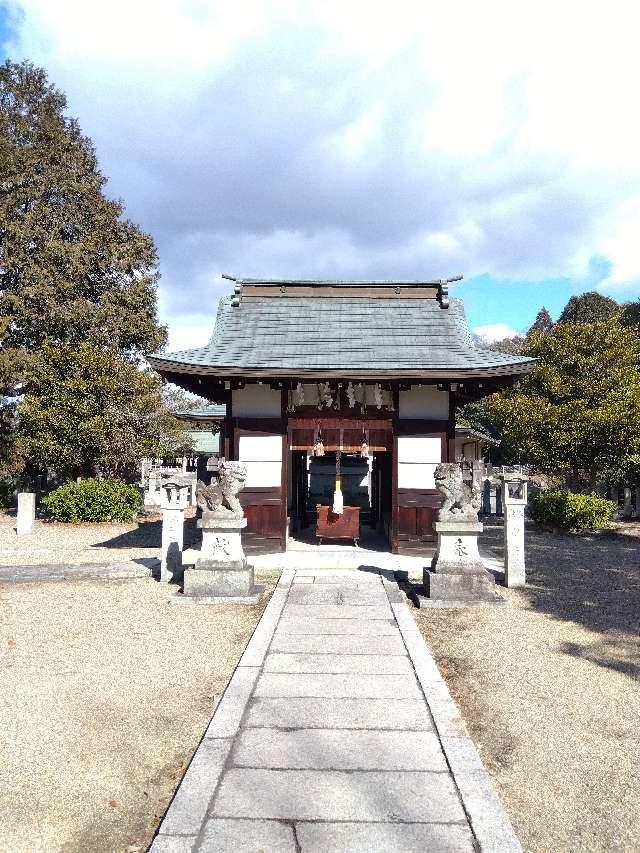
pixel 550 688
pixel 106 691
pixel 54 542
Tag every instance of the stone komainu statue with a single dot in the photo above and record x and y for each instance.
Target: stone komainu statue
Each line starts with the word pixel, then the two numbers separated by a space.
pixel 221 496
pixel 461 500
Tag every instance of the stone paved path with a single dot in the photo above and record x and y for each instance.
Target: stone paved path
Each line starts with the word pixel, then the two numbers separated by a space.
pixel 336 733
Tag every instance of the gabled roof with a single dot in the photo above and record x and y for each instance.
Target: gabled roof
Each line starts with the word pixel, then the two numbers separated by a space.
pixel 329 329
pixel 205 441
pixel 213 412
pixel 463 431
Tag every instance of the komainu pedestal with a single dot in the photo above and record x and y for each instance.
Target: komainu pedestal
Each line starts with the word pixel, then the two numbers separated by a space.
pixel 457 574
pixel 219 571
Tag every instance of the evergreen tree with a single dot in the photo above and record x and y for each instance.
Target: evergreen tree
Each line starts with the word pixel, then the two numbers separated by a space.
pixel 543 322
pixel 577 414
pixel 77 296
pixel 71 267
pixel 590 307
pixel 631 314
pixel 92 413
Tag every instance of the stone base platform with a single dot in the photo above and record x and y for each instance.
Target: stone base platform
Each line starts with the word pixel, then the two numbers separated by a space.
pixel 457 576
pixel 423 602
pixel 252 598
pixel 478 585
pixel 220 582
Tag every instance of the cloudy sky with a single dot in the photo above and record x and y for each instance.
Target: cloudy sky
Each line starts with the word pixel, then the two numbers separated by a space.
pixel 361 140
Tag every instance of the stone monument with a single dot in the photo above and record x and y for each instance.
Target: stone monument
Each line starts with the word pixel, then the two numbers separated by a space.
pixel 174 498
pixel 457 574
pixel 219 571
pixel 514 492
pixel 26 513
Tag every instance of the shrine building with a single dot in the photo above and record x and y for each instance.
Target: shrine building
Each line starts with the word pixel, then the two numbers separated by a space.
pixel 340 385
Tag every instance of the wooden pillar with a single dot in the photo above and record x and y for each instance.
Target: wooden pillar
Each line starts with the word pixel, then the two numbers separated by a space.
pixel 284 488
pixel 227 446
pixel 451 429
pixel 394 472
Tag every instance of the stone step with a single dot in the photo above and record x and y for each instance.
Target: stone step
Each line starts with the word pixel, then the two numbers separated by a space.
pixel 347 713
pixel 365 664
pixel 331 749
pixel 332 795
pixel 338 686
pixel 347 644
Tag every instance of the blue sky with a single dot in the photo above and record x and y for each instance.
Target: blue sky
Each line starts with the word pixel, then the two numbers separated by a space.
pixel 351 140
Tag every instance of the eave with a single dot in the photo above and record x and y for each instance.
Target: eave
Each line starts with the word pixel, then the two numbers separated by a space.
pixel 434 375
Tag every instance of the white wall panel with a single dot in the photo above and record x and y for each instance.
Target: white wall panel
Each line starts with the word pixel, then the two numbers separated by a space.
pixel 424 401
pixel 263 474
pixel 418 456
pixel 256 401
pixel 416 476
pixel 419 448
pixel 260 448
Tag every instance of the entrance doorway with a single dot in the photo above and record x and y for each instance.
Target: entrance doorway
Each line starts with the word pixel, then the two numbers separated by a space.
pixel 365 485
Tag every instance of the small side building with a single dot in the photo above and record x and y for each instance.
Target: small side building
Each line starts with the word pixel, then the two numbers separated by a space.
pixel 472 445
pixel 363 376
pixel 205 427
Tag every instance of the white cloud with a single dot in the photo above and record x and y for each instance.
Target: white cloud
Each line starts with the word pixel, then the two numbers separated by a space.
pixel 188 336
pixel 495 332
pixel 355 139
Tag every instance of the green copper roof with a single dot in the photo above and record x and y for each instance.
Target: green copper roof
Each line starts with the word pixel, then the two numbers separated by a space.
pixel 351 336
pixel 205 441
pixel 214 412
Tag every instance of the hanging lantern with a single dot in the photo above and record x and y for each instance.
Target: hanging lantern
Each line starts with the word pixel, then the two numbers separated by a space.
pixel 364 450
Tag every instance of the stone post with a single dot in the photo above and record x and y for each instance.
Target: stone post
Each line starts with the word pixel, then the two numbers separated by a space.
pixel 478 473
pixel 174 501
pixel 151 488
pixel 499 500
pixel 627 510
pixel 26 513
pixel 514 492
pixel 493 498
pixel 486 498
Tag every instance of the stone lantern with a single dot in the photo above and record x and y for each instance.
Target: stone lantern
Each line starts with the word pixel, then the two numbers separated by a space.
pixel 174 499
pixel 514 499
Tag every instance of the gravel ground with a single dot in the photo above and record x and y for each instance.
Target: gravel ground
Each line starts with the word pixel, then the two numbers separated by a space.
pixel 54 542
pixel 106 691
pixel 550 688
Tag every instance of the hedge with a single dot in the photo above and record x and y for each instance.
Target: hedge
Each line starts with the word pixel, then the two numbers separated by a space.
pixel 7 490
pixel 571 511
pixel 93 500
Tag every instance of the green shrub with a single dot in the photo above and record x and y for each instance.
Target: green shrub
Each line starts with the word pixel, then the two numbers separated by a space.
pixel 7 489
pixel 93 500
pixel 571 511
